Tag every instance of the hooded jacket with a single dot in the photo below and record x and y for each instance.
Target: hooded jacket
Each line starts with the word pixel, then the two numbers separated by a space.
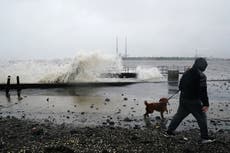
pixel 193 83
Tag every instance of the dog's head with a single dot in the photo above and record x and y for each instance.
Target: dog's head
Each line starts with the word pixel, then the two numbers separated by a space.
pixel 163 100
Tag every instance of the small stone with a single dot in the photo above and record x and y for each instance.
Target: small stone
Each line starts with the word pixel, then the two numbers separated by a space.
pixel 73 131
pixel 212 121
pixel 185 139
pixel 107 99
pixel 37 131
pixel 118 112
pixel 125 98
pixel 136 127
pixel 188 149
pixel 221 131
pixel 2 144
pixel 82 113
pixel 135 137
pixel 61 148
pixel 158 118
pixel 23 116
pixel 46 120
pixel 111 123
pixel 127 119
pixel 105 151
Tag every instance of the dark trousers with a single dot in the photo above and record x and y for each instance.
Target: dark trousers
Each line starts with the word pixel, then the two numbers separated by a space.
pixel 195 108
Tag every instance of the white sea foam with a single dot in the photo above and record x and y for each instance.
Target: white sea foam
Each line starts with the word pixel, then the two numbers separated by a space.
pixel 88 67
pixel 148 74
pixel 85 67
pixel 32 71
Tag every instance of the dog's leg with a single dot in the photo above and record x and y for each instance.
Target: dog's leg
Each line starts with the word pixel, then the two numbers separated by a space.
pixel 162 115
pixel 167 111
pixel 146 115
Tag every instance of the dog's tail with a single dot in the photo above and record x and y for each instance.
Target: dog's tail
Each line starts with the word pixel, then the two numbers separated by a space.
pixel 146 103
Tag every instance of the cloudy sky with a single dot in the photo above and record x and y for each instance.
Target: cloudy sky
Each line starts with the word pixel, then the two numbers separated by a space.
pixel 61 28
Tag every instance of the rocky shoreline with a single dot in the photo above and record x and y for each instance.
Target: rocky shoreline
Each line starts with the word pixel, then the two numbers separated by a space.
pixel 28 136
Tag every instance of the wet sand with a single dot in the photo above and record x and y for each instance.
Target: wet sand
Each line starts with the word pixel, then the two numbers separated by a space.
pixel 120 111
pixel 91 131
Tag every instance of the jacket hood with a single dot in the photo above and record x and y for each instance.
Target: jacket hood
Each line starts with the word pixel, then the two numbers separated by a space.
pixel 201 64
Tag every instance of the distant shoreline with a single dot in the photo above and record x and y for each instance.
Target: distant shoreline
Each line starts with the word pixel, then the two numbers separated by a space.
pixel 123 58
pixel 169 58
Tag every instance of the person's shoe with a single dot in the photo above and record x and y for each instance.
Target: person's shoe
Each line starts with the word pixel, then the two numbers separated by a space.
pixel 205 141
pixel 168 134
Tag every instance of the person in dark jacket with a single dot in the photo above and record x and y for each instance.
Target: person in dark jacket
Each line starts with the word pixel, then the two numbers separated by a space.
pixel 193 99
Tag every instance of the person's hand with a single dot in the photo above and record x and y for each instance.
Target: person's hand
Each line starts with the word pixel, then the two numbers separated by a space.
pixel 205 109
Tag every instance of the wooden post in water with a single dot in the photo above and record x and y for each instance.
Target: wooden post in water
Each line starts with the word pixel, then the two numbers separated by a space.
pixel 18 88
pixel 8 86
pixel 18 82
pixel 173 77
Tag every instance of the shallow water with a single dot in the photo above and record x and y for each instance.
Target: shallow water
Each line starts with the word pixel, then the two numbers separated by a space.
pixel 87 106
pixel 119 106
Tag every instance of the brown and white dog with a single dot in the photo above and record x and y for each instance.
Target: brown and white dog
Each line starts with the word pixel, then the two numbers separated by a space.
pixel 160 106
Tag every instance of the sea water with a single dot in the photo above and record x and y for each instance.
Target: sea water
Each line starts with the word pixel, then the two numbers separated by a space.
pixel 95 105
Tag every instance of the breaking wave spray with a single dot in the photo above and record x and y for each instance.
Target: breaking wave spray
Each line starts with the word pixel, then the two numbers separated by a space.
pixel 85 67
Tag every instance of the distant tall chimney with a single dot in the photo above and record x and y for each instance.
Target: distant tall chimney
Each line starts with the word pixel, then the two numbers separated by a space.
pixel 126 54
pixel 116 45
pixel 196 53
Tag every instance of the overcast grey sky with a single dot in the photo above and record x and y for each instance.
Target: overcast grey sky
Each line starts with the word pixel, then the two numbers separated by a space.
pixel 60 28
